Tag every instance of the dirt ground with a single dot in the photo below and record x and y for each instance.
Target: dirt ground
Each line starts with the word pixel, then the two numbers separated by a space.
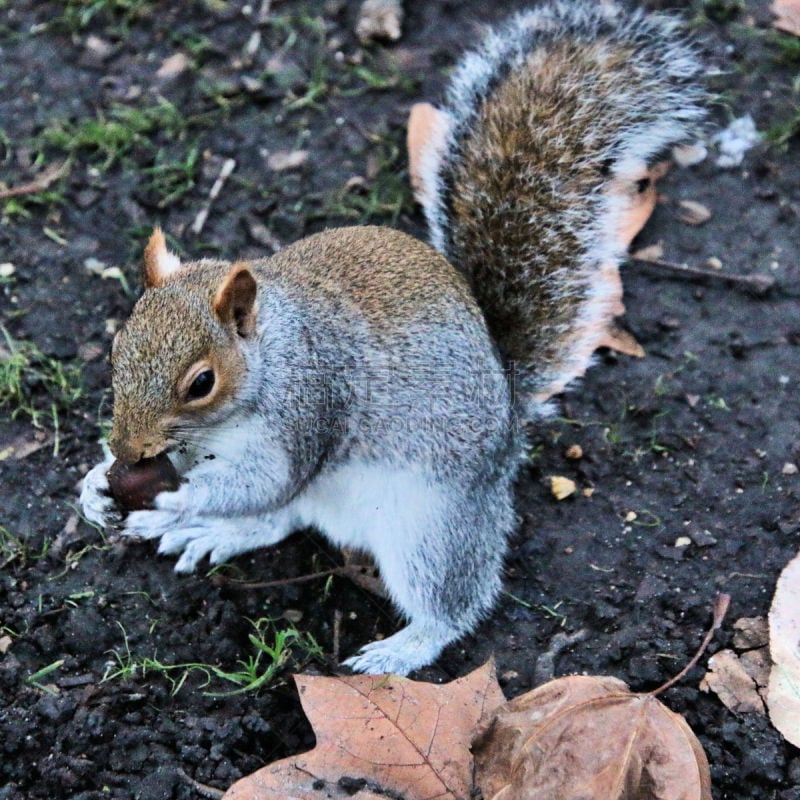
pixel 106 655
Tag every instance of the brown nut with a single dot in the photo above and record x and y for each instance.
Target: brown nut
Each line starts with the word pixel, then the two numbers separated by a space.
pixel 135 486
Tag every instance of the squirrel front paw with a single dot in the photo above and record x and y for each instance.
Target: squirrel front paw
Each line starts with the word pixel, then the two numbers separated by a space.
pixel 96 501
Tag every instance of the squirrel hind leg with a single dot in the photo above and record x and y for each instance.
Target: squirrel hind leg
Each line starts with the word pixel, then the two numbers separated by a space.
pixel 414 647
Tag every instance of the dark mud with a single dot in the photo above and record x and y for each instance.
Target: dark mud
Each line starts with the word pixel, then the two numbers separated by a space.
pixel 691 441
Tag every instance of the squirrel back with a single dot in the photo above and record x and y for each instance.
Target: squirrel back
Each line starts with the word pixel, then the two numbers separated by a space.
pixel 539 172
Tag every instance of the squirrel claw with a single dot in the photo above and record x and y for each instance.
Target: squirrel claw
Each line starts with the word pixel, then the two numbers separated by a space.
pixel 98 506
pixel 149 524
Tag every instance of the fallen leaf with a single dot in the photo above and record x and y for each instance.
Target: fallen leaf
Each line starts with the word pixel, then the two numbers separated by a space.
pixel 589 738
pixel 788 16
pixel 757 665
pixel 693 213
pixel 562 487
pixel 388 732
pixel 621 341
pixel 22 447
pixel 729 680
pixel 783 694
pixel 750 632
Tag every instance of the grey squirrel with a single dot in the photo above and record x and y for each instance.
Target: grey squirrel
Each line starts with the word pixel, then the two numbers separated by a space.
pixel 363 383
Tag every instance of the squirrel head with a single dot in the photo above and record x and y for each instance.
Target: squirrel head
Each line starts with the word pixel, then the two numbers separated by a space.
pixel 178 361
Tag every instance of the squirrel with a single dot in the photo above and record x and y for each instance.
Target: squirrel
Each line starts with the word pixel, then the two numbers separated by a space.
pixel 377 388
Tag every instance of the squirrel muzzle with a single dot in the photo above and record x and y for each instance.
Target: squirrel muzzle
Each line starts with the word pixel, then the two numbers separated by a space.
pixel 130 447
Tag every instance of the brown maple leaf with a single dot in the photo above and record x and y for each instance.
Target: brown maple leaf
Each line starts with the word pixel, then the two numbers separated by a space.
pixel 385 731
pixel 788 16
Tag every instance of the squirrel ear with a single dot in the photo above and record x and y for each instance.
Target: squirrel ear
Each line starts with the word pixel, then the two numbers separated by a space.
pixel 159 263
pixel 235 300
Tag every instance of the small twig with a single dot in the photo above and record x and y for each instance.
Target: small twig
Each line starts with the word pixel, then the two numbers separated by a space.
pixel 720 609
pixel 42 182
pixel 337 635
pixel 758 283
pixel 347 570
pixel 204 791
pixel 546 662
pixel 200 220
pixel 287 581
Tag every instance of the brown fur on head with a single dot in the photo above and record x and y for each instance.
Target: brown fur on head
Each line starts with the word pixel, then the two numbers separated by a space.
pixel 178 359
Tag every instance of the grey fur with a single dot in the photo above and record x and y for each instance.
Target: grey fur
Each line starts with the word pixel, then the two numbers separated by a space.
pixel 371 400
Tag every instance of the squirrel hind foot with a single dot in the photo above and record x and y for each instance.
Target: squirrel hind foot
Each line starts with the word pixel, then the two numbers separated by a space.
pixel 415 646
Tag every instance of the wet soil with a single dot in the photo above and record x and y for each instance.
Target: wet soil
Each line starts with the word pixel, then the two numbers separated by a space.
pixel 700 439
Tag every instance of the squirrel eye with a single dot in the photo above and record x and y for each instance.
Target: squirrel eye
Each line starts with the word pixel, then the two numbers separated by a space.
pixel 201 385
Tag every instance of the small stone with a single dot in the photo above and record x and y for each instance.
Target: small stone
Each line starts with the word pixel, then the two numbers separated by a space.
pixel 293 615
pixel 90 352
pixel 284 160
pixel 94 266
pixel 379 19
pixel 173 66
pixel 631 516
pixel 700 536
pixel 693 213
pixel 574 451
pixel 789 469
pixel 7 269
pixel 653 252
pixel 713 263
pixel 98 49
pixel 683 541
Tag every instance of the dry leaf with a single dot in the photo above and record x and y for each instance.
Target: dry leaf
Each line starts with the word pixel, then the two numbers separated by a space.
pixel 621 341
pixel 783 696
pixel 693 213
pixel 562 487
pixel 399 735
pixel 788 16
pixel 750 632
pixel 730 681
pixel 590 738
pixel 757 665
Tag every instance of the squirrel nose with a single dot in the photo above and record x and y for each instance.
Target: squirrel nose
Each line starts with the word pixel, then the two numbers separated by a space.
pixel 125 451
pixel 126 447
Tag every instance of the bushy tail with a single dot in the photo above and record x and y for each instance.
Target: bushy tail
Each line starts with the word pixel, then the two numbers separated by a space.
pixel 540 173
